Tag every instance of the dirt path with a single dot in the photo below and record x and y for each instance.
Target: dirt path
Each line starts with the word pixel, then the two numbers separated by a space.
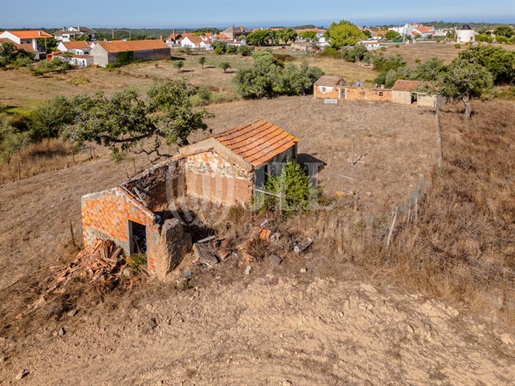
pixel 272 331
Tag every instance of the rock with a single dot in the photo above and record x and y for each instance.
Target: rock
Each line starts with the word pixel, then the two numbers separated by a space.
pixel 308 256
pixel 73 312
pixel 410 329
pixel 248 269
pixel 275 260
pixel 287 383
pixel 346 304
pixel 303 245
pixel 340 314
pixel 62 331
pixel 22 374
pixel 127 272
pixel 506 339
pixel 303 270
pixel 3 359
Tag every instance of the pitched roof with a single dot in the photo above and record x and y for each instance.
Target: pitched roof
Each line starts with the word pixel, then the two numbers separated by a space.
pixel 26 46
pixel 406 85
pixel 134 45
pixel 75 45
pixel 32 34
pixel 195 39
pixel 257 142
pixel 328 81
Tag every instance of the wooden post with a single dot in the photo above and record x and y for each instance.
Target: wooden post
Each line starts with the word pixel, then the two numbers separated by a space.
pixel 280 202
pixel 439 132
pixel 73 156
pixel 392 227
pixel 134 165
pixel 73 237
pixel 19 170
pixel 352 156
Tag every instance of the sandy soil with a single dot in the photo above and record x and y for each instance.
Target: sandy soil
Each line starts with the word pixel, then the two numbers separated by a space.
pixel 276 330
pixel 329 325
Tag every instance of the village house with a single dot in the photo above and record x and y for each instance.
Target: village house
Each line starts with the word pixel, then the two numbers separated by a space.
pixel 31 41
pixel 328 87
pixel 67 34
pixel 371 44
pixel 191 40
pixel 409 92
pixel 224 169
pixel 78 48
pixel 174 38
pixel 108 52
pixel 465 34
pixel 237 33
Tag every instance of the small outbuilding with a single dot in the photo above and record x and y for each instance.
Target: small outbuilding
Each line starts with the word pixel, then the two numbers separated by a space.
pixel 407 92
pixel 109 52
pixel 328 87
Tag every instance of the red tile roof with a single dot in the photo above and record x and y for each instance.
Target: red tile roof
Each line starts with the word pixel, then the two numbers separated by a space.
pixel 34 34
pixel 328 81
pixel 134 45
pixel 406 85
pixel 257 142
pixel 76 45
pixel 26 46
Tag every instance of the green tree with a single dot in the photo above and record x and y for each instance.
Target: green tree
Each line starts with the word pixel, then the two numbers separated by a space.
pixel 295 187
pixel 8 51
pixel 258 81
pixel 287 35
pixel 224 66
pixel 391 78
pixel 308 34
pixel 464 80
pixel 504 30
pixel 12 140
pixel 392 35
pixel 219 47
pixel 299 80
pixel 343 34
pixel 50 119
pixel 499 61
pixel 202 61
pixel 245 50
pixel 387 63
pixel 430 70
pixel 355 53
pixel 179 64
pixel 123 121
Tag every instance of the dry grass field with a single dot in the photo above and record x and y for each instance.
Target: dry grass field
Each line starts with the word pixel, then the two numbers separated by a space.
pixel 351 311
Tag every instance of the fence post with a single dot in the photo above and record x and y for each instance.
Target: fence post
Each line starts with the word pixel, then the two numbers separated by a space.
pixel 391 228
pixel 280 202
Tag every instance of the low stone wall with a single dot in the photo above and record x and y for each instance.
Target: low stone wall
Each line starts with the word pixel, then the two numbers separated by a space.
pixel 365 94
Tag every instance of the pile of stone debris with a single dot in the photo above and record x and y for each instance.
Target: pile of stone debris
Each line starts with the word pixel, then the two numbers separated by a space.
pixel 103 263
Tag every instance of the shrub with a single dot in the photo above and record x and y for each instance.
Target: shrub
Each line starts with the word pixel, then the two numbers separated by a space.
pixel 245 50
pixel 330 52
pixel 297 190
pixel 457 46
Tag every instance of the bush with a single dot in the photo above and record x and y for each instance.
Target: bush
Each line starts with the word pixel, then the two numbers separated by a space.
pixel 245 50
pixel 204 95
pixel 297 190
pixel 384 64
pixel 355 53
pixel 330 52
pixel 457 46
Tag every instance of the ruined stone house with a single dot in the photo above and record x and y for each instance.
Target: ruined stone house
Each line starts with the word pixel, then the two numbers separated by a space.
pixel 224 169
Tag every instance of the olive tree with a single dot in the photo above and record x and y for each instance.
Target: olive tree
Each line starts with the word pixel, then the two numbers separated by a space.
pixel 464 80
pixel 123 121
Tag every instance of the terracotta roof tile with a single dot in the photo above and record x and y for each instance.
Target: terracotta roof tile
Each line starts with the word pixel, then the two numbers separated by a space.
pixel 76 45
pixel 257 142
pixel 406 85
pixel 328 81
pixel 33 34
pixel 134 45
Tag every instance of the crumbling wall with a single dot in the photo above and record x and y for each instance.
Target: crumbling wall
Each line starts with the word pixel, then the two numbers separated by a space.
pixel 150 187
pixel 367 94
pixel 424 100
pixel 401 97
pixel 326 92
pixel 106 215
pixel 210 176
pixel 174 243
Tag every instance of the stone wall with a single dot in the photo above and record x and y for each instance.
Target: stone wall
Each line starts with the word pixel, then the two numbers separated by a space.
pixel 174 243
pixel 401 97
pixel 364 94
pixel 210 176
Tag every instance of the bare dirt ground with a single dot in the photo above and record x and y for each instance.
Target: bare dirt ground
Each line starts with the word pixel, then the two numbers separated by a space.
pixel 321 320
pixel 275 330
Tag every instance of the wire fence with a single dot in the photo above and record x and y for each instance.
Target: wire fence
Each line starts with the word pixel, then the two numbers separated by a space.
pixel 495 283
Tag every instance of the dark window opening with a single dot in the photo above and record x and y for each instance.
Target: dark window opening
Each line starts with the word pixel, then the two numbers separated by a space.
pixel 138 237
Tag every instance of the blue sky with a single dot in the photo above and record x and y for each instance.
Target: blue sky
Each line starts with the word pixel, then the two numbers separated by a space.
pixel 264 13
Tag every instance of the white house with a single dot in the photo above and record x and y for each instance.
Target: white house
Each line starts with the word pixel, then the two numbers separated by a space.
pixel 36 39
pixel 370 44
pixel 196 41
pixel 322 42
pixel 77 48
pixel 68 33
pixel 466 34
